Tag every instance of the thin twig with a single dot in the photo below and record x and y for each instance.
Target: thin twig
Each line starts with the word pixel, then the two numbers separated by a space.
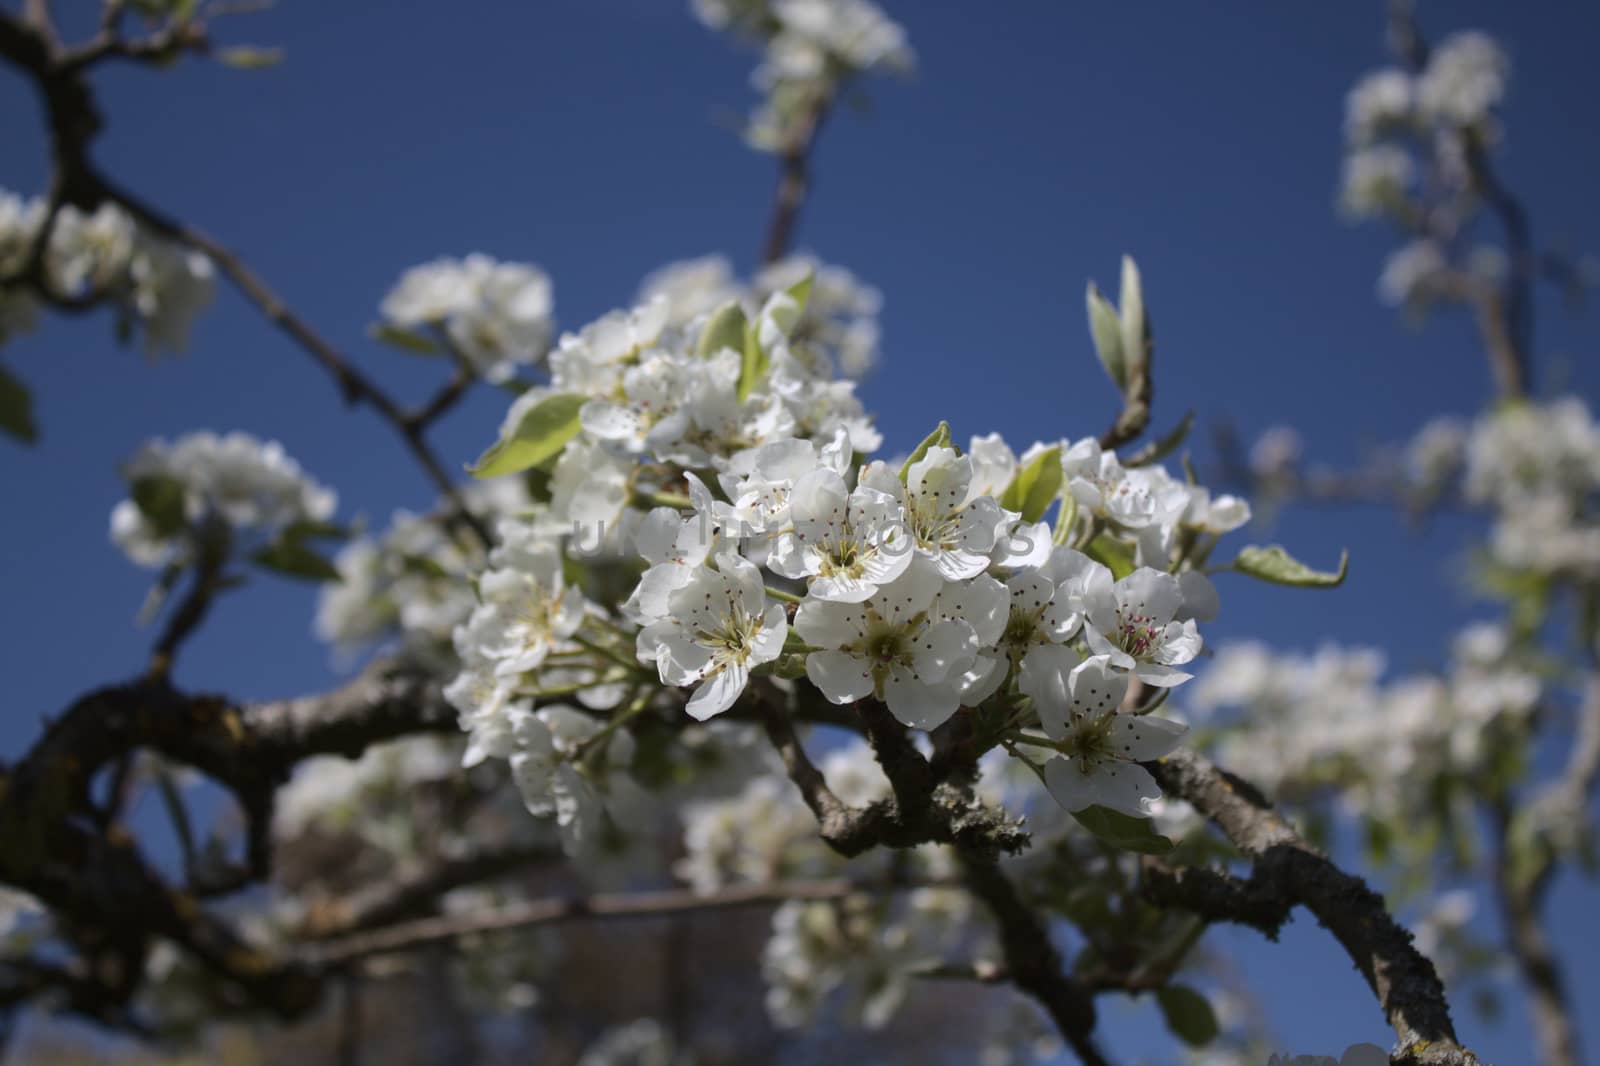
pixel 660 904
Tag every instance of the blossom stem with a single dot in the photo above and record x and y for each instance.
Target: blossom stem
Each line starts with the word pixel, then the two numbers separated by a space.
pixel 784 597
pixel 595 741
pixel 676 500
pixel 609 652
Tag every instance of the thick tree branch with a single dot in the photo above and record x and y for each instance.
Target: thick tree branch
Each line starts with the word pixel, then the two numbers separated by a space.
pixel 1031 959
pixel 1404 981
pixel 415 891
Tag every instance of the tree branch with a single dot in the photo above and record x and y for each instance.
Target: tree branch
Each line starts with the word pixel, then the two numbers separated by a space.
pixel 344 951
pixel 1404 981
pixel 794 180
pixel 74 121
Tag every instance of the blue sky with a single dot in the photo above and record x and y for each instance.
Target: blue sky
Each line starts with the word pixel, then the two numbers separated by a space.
pixel 1037 143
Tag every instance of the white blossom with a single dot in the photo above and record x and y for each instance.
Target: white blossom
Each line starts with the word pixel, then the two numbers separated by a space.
pixel 720 627
pixel 1132 623
pixel 497 315
pixel 1100 748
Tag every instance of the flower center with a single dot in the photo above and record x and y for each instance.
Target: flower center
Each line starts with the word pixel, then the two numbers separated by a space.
pixel 1138 634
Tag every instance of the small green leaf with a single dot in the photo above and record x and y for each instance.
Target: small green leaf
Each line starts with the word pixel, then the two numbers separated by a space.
pixel 1036 485
pixel 306 529
pixel 754 364
pixel 800 291
pixel 1106 329
pixel 939 438
pixel 293 559
pixel 16 408
pixel 407 340
pixel 541 434
pixel 1188 1014
pixel 161 500
pixel 1134 327
pixel 422 566
pixel 724 329
pixel 1158 450
pixel 1122 831
pixel 1112 554
pixel 1278 566
pixel 247 57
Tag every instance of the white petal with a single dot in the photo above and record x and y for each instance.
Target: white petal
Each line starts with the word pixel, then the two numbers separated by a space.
pixel 680 661
pixel 1158 676
pixel 649 600
pixel 1199 597
pixel 1149 594
pixel 1025 544
pixel 719 692
pixel 841 678
pixel 746 580
pixel 608 421
pixel 1043 678
pixel 1120 786
pixel 822 624
pixel 819 501
pixel 943 648
pixel 983 603
pixel 1096 687
pixel 1180 643
pixel 1144 738
pixel 920 705
pixel 656 534
pixel 909 594
pixel 842 588
pixel 768 640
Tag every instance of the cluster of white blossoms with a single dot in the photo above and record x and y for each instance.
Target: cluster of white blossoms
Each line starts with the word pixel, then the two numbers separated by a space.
pixel 810 47
pixel 1400 126
pixel 156 285
pixel 838 326
pixel 1535 466
pixel 494 315
pixel 1309 722
pixel 201 480
pixel 728 473
pixel 338 793
pixel 860 950
pixel 411 582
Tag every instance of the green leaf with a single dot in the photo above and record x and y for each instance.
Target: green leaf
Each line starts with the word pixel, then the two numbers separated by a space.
pixel 1189 1014
pixel 422 566
pixel 724 329
pixel 16 408
pixel 1158 450
pixel 1122 831
pixel 1134 326
pixel 541 434
pixel 407 340
pixel 307 528
pixel 247 57
pixel 754 364
pixel 1112 554
pixel 1036 486
pixel 161 500
pixel 1106 329
pixel 1278 566
pixel 293 559
pixel 939 438
pixel 800 291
